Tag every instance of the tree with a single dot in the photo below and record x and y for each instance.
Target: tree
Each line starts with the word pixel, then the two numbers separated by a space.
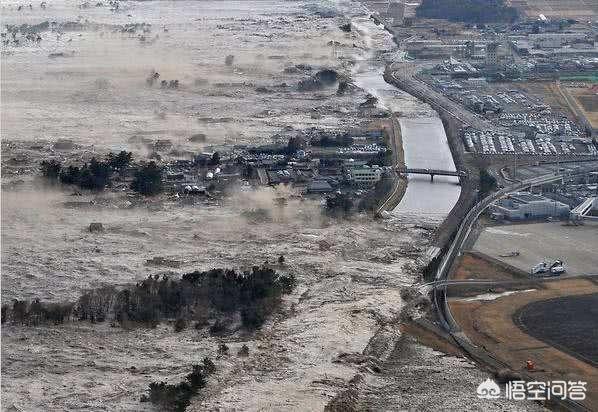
pixel 487 182
pixel 95 175
pixel 243 351
pixel 70 176
pixel 148 179
pixel 339 203
pixel 177 397
pixel 51 168
pixel 180 325
pixel 215 160
pixel 281 260
pixel 119 161
pixel 294 144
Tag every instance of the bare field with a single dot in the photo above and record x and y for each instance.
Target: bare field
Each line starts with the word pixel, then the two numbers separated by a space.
pixel 577 9
pixel 490 324
pixel 476 266
pixel 587 101
pixel 575 245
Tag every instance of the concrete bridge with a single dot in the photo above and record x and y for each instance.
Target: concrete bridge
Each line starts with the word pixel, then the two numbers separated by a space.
pixel 432 172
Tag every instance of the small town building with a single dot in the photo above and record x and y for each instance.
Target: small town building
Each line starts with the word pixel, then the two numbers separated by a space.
pixel 319 186
pixel 365 175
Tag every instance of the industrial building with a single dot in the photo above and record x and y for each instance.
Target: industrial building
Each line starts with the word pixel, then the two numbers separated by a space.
pixel 492 54
pixel 555 40
pixel 586 210
pixel 527 206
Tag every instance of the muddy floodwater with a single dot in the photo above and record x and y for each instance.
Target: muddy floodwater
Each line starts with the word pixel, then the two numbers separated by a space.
pixel 81 89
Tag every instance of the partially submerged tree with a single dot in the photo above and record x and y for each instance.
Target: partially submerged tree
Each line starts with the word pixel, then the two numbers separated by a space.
pixel 51 168
pixel 339 204
pixel 215 160
pixel 177 398
pixel 120 161
pixel 148 179
pixel 95 175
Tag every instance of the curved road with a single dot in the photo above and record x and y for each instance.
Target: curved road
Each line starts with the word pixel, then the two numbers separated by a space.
pixel 463 234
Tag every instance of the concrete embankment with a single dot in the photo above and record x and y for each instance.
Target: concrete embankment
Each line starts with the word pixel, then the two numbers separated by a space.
pixel 399 185
pixel 470 184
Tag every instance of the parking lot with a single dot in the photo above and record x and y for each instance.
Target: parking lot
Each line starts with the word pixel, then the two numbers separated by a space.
pixel 537 242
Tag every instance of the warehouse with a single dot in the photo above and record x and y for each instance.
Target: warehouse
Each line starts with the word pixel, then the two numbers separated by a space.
pixel 525 205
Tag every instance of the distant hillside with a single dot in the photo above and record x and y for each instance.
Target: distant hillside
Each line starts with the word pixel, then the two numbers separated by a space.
pixel 468 11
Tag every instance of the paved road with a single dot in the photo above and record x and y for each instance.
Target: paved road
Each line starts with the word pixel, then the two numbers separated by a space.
pixel 456 247
pixel 398 187
pixel 495 282
pixel 405 74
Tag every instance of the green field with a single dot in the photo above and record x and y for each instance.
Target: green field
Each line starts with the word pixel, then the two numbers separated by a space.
pixel 586 77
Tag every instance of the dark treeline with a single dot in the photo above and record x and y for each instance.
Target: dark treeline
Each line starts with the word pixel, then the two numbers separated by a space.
pixel 99 174
pixel 198 296
pixel 332 141
pixel 487 182
pixel 469 11
pixel 169 397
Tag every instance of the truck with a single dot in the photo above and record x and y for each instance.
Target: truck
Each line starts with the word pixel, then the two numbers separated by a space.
pixel 557 267
pixel 545 269
pixel 541 267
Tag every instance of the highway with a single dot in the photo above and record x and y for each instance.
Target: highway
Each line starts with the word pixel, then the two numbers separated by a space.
pixel 490 282
pixel 421 90
pixel 439 296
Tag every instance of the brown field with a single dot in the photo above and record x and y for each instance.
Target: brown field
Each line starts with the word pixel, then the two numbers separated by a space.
pixel 490 325
pixel 474 265
pixel 550 95
pixel 587 100
pixel 578 9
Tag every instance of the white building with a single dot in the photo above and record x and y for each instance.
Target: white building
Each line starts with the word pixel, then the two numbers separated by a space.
pixel 525 205
pixel 365 175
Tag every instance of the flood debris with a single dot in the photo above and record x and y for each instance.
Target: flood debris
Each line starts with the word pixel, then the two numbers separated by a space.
pixel 96 227
pixel 162 261
pixel 322 79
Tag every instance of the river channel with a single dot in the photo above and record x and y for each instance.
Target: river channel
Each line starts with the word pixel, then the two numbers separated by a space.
pixel 424 140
